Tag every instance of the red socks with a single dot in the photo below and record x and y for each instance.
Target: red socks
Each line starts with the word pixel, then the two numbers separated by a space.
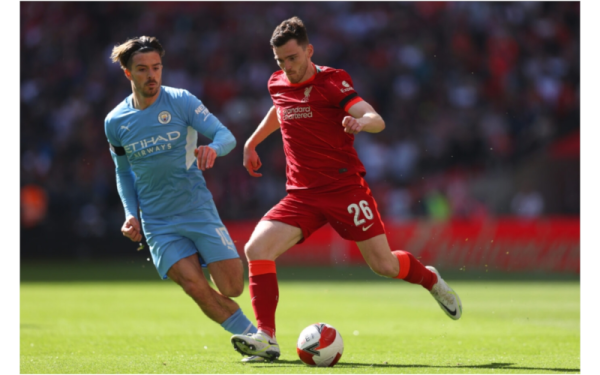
pixel 413 271
pixel 264 292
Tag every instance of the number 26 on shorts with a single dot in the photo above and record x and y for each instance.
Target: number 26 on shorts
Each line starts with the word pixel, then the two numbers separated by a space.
pixel 356 210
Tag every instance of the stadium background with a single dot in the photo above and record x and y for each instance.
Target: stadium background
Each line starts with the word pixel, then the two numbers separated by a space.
pixel 479 160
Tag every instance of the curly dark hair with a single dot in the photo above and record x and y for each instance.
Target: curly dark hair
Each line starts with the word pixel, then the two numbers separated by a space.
pixel 289 29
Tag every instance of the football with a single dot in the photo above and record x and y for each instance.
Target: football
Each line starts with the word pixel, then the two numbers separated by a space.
pixel 320 345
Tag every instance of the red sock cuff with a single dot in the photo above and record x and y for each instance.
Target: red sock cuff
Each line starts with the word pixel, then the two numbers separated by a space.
pixel 261 267
pixel 403 262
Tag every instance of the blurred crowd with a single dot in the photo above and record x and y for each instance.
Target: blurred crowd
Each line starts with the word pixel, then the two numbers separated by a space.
pixel 467 90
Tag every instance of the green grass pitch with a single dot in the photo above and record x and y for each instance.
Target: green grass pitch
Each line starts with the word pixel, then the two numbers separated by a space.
pixel 388 326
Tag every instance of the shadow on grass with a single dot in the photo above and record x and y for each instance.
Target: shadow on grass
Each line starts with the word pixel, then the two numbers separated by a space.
pixel 493 365
pixel 142 269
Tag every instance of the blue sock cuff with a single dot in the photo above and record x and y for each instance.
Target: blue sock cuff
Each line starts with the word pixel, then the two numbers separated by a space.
pixel 238 324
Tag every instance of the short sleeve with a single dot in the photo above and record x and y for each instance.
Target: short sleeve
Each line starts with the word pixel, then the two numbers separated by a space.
pixel 341 90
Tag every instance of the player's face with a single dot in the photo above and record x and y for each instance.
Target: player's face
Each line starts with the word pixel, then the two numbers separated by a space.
pixel 294 60
pixel 146 73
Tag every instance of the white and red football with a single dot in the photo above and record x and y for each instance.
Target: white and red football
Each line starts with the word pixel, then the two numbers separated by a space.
pixel 320 345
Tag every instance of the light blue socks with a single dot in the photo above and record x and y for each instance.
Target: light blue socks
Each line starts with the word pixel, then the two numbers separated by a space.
pixel 238 324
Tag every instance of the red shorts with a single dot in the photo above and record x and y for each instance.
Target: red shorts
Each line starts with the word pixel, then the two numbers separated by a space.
pixel 346 204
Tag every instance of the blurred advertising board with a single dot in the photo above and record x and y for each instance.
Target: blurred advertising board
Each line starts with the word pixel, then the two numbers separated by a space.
pixel 507 244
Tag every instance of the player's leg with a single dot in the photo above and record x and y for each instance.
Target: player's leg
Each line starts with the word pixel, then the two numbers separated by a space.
pixel 176 255
pixel 187 273
pixel 376 252
pixel 228 276
pixel 269 240
pixel 403 265
pixel 289 222
pixel 395 264
pixel 353 213
pixel 218 253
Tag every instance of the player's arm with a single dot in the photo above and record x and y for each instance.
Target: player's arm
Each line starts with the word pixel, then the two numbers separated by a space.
pixel 222 143
pixel 266 127
pixel 126 187
pixel 209 126
pixel 364 118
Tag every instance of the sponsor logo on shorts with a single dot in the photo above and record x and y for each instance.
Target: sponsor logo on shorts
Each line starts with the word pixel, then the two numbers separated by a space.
pixel 367 228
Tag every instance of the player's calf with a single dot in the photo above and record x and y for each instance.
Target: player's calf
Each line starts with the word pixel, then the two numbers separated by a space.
pixel 228 276
pixel 376 252
pixel 413 271
pixel 385 269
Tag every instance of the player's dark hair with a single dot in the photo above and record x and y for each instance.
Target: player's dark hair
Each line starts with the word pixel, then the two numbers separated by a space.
pixel 289 29
pixel 124 52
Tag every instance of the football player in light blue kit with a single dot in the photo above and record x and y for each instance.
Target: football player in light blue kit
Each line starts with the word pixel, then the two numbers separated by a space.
pixel 152 136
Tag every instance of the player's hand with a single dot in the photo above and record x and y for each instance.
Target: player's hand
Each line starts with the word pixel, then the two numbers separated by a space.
pixel 132 229
pixel 351 125
pixel 206 157
pixel 252 162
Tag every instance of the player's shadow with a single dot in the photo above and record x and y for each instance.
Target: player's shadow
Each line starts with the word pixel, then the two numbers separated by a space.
pixel 493 365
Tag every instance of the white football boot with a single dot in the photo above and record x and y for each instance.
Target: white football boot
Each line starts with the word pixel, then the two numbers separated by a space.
pixel 256 345
pixel 446 297
pixel 253 359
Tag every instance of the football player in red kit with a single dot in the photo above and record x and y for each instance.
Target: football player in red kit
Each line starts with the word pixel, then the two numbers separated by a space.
pixel 318 112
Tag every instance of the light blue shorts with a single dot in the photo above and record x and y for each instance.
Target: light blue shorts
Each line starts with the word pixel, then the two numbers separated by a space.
pixel 199 231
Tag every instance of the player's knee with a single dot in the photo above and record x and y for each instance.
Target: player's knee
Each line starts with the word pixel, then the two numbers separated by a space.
pixel 233 286
pixel 233 290
pixel 251 250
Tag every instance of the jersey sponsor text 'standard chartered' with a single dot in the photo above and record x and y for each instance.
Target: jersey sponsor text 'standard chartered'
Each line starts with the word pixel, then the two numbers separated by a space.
pixel 317 149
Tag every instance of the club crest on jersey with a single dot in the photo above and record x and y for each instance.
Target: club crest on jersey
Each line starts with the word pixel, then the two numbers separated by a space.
pixel 307 94
pixel 164 117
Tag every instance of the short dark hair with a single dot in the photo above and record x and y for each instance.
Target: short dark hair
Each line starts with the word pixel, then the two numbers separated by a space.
pixel 125 51
pixel 289 29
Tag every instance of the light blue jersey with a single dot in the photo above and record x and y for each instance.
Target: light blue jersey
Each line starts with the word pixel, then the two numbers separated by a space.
pixel 153 150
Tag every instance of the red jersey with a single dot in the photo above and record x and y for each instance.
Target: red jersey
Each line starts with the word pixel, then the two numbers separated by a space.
pixel 317 149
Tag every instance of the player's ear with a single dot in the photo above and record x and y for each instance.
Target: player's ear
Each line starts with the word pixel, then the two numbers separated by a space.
pixel 127 73
pixel 309 51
